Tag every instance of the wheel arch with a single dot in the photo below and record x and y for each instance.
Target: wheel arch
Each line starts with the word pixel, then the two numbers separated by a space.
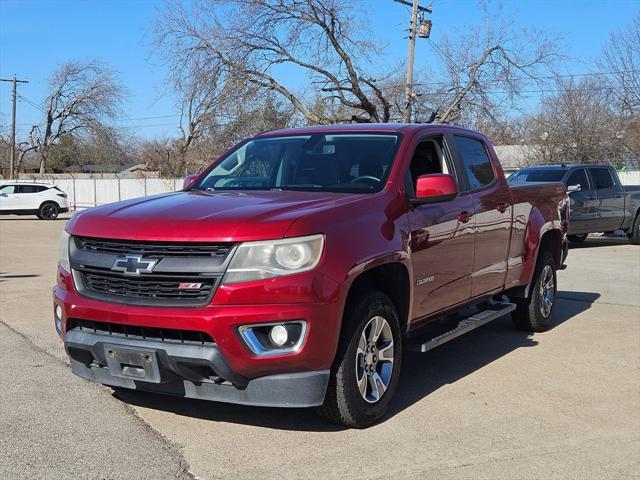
pixel 391 278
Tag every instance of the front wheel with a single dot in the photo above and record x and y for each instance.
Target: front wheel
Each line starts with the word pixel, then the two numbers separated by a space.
pixel 534 314
pixel 365 374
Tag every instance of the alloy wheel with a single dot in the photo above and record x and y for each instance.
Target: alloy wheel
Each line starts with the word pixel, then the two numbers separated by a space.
pixel 374 359
pixel 547 291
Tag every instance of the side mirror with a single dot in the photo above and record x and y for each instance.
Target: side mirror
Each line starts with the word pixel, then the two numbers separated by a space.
pixel 189 179
pixel 574 188
pixel 433 188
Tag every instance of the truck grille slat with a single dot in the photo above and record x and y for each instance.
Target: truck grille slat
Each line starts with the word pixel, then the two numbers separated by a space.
pixel 155 249
pixel 143 333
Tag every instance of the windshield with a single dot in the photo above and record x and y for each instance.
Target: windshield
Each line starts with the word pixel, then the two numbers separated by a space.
pixel 537 175
pixel 318 162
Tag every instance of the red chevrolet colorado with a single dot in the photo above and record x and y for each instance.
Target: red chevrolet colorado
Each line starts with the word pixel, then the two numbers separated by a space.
pixel 295 269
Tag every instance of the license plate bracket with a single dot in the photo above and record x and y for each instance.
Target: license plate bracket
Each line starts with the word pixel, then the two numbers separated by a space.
pixel 133 363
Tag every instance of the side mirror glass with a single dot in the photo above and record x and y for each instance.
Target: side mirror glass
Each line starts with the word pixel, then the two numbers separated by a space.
pixel 574 188
pixel 189 179
pixel 437 187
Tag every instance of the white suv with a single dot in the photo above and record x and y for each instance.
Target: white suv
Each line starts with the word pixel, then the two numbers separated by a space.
pixel 40 199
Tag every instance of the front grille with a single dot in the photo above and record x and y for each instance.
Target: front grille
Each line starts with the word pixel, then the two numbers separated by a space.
pixel 149 289
pixel 184 274
pixel 152 249
pixel 119 330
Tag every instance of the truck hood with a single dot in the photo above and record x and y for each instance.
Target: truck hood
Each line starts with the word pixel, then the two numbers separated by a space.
pixel 205 216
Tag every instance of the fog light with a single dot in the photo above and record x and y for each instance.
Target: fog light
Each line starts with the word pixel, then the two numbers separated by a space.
pixel 57 313
pixel 274 338
pixel 279 335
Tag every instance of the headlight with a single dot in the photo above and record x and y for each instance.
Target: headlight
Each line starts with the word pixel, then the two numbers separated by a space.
pixel 274 258
pixel 63 251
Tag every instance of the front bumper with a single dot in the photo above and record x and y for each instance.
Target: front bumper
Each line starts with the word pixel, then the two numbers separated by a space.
pixel 176 373
pixel 294 379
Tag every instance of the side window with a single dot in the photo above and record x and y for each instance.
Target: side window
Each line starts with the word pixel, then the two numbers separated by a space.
pixel 578 177
pixel 27 189
pixel 8 189
pixel 602 178
pixel 428 158
pixel 476 162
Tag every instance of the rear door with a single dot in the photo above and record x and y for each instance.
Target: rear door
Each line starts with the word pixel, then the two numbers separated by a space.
pixel 442 234
pixel 27 197
pixel 610 199
pixel 492 211
pixel 584 203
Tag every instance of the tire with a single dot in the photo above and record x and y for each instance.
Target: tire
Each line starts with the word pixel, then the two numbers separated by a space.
pixel 356 365
pixel 48 211
pixel 634 234
pixel 577 238
pixel 533 314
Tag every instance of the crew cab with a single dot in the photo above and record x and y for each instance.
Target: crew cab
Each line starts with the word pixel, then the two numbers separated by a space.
pixel 296 269
pixel 599 201
pixel 40 199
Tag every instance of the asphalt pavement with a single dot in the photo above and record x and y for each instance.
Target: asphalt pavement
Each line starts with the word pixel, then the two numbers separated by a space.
pixel 496 403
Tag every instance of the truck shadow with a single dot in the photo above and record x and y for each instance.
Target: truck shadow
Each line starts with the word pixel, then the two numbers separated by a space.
pixel 421 375
pixel 594 242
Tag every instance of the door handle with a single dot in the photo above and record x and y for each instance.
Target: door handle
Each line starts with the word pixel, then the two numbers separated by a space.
pixel 502 207
pixel 590 198
pixel 464 217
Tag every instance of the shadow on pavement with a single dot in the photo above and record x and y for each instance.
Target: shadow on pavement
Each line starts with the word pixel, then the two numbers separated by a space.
pixel 421 375
pixel 593 242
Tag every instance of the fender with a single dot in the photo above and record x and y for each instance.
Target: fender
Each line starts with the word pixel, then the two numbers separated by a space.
pixel 400 256
pixel 535 230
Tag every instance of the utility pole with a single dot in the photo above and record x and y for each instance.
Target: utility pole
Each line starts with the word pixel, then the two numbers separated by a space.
pixel 12 158
pixel 424 31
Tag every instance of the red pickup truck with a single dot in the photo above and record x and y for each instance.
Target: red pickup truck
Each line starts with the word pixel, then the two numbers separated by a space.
pixel 296 269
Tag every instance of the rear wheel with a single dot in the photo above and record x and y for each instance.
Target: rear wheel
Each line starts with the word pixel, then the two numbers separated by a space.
pixel 367 365
pixel 577 238
pixel 634 234
pixel 534 314
pixel 48 211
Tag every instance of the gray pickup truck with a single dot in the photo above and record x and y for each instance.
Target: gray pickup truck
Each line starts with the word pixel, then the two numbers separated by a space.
pixel 599 202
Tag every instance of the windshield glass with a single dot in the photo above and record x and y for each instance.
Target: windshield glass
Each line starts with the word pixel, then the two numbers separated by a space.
pixel 537 175
pixel 318 162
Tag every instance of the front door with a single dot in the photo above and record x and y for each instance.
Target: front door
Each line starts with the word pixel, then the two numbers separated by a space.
pixel 8 198
pixel 442 236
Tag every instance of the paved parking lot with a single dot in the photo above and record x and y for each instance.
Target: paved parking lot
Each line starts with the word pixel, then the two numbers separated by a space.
pixel 494 404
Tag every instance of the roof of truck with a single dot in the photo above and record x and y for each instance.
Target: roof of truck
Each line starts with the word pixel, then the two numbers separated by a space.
pixel 362 127
pixel 565 166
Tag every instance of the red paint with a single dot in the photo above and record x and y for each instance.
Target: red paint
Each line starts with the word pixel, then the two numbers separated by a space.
pixel 474 245
pixel 436 185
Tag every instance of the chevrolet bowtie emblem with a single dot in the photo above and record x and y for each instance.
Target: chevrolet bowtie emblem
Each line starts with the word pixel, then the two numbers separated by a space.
pixel 133 265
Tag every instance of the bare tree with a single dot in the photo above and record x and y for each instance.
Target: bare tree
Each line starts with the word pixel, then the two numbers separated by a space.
pixel 621 58
pixel 621 61
pixel 486 66
pixel 578 124
pixel 251 39
pixel 83 97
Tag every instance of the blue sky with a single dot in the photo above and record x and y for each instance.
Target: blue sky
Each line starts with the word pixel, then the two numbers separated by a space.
pixel 36 36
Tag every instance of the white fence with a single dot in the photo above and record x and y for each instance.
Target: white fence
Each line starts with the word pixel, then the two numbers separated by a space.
pixel 89 192
pixel 630 178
